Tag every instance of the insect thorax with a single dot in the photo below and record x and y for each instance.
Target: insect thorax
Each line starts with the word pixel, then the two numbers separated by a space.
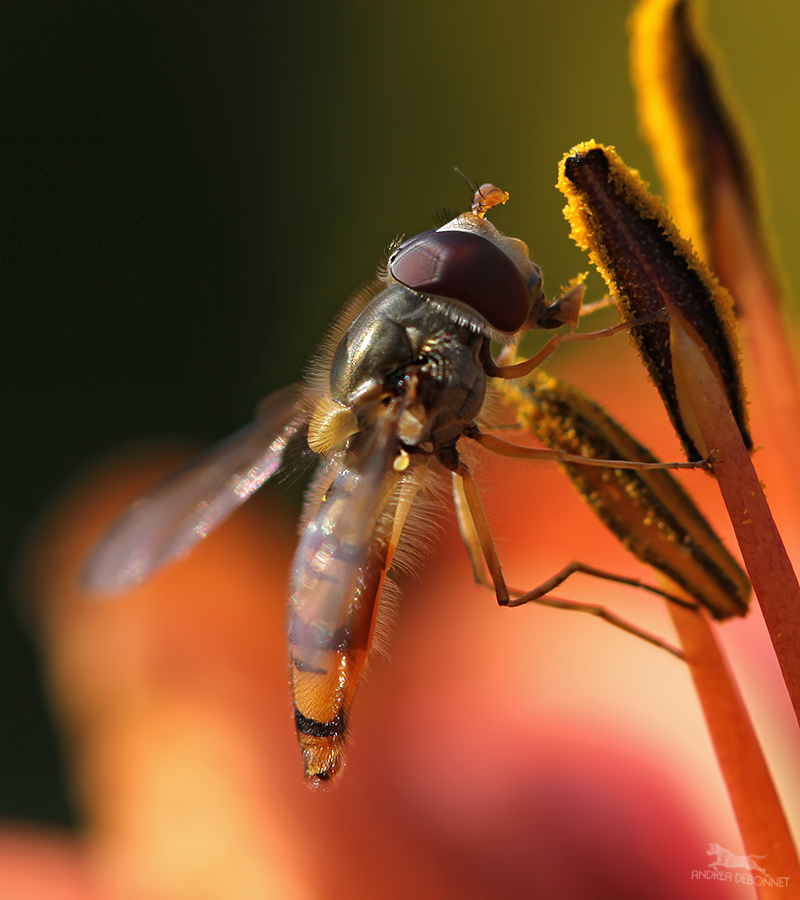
pixel 401 344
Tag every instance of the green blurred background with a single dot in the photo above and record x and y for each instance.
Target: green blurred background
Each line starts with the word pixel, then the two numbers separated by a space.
pixel 191 190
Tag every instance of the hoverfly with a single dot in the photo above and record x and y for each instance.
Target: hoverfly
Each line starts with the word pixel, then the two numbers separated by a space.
pixel 393 404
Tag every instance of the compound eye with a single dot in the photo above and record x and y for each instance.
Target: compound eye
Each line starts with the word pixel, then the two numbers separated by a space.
pixel 467 268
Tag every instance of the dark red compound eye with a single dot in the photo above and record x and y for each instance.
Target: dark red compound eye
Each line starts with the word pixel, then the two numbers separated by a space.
pixel 468 268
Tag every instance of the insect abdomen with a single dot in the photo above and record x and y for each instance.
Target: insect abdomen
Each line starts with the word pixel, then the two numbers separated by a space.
pixel 339 569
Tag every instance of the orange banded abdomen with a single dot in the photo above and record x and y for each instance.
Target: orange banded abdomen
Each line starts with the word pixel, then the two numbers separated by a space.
pixel 339 570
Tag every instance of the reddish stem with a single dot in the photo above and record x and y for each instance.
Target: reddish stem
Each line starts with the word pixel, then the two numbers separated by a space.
pixel 765 557
pixel 756 805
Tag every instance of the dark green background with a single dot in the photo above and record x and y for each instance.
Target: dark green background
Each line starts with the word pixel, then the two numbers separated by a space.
pixel 191 190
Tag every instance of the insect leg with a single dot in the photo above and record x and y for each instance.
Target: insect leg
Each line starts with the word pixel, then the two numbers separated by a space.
pixel 601 612
pixel 476 534
pixel 480 546
pixel 468 531
pixel 576 567
pixel 504 448
pixel 520 369
pixel 596 305
pixel 648 511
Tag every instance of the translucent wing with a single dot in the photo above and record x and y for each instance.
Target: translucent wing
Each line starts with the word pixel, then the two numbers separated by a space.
pixel 338 536
pixel 168 521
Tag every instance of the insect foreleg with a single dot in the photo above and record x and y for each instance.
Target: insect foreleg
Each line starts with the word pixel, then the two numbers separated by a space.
pixel 596 305
pixel 520 369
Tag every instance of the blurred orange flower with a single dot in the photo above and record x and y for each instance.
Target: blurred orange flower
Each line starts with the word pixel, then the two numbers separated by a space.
pixel 500 751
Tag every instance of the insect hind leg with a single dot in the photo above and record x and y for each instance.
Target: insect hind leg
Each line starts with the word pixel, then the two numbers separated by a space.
pixel 486 570
pixel 541 595
pixel 575 567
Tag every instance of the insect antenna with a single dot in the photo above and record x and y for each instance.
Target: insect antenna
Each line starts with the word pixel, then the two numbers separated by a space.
pixel 471 183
